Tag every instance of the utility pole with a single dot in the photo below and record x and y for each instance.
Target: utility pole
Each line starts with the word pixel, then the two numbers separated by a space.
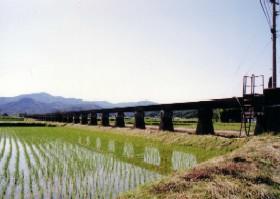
pixel 274 40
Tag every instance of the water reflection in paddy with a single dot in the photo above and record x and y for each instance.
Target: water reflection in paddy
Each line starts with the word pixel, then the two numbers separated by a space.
pixel 152 156
pixel 111 146
pixel 181 160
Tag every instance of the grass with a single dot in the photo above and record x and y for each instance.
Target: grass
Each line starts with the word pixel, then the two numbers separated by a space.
pixel 187 123
pixel 11 118
pixel 252 171
pixel 220 126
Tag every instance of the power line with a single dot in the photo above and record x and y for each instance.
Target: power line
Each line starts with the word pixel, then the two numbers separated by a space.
pixel 274 3
pixel 269 8
pixel 266 12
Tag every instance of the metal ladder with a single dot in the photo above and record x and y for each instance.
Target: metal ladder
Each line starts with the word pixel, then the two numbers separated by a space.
pixel 251 88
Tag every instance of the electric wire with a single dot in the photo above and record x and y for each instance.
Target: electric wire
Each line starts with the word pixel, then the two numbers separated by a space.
pixel 252 64
pixel 268 8
pixel 266 12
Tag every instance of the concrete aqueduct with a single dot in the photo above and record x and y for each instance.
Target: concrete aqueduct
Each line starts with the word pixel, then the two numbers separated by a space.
pixel 267 107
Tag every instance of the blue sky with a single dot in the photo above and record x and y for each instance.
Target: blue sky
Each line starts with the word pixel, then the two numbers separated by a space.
pixel 128 50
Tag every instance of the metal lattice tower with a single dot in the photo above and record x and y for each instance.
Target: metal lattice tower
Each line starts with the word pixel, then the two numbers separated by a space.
pixel 252 87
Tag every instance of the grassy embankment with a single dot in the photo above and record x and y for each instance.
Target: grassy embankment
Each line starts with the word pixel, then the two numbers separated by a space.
pixel 252 171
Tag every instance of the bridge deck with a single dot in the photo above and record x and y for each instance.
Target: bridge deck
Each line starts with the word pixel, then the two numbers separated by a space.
pixel 215 103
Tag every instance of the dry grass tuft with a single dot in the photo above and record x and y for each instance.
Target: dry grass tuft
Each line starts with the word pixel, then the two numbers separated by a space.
pixel 169 187
pixel 228 168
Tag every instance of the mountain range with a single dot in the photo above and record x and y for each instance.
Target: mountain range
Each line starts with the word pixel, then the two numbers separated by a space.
pixel 38 103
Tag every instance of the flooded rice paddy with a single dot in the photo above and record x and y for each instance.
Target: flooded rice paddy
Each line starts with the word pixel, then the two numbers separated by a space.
pixel 45 162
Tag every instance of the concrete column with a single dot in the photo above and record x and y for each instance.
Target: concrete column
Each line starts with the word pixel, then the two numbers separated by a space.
pixel 205 123
pixel 166 120
pixel 260 124
pixel 49 118
pixel 272 118
pixel 83 119
pixel 58 118
pixel 139 120
pixel 120 120
pixel 55 118
pixel 76 119
pixel 272 109
pixel 64 118
pixel 105 119
pixel 69 118
pixel 92 119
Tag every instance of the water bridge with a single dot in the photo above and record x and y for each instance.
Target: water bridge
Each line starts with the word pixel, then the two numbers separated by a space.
pixel 266 112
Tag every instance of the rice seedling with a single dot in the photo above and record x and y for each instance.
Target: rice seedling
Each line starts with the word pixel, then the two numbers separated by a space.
pixel 3 148
pixel 5 185
pixel 6 164
pixel 22 193
pixel 28 161
pixel 16 174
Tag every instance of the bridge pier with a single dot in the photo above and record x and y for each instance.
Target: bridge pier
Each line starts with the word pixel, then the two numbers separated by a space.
pixel 120 120
pixel 105 119
pixel 272 118
pixel 58 118
pixel 205 123
pixel 47 118
pixel 69 118
pixel 52 119
pixel 272 109
pixel 76 119
pixel 166 120
pixel 260 124
pixel 83 119
pixel 92 119
pixel 139 120
pixel 64 118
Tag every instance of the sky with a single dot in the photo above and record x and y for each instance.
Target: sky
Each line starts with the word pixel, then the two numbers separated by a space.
pixel 130 50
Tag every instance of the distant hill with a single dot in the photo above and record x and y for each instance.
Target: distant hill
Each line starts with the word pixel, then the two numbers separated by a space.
pixel 37 103
pixel 25 105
